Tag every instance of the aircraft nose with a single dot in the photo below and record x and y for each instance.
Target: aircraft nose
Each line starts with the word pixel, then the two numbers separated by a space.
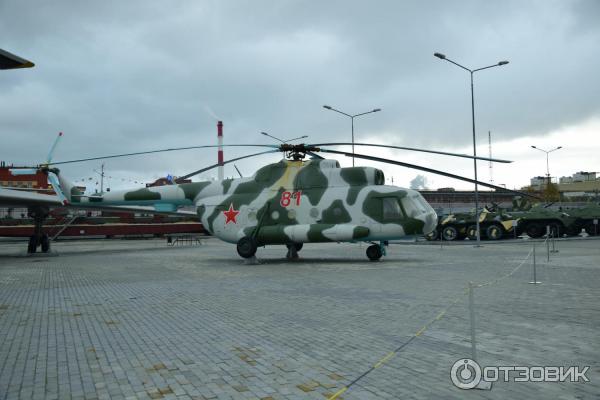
pixel 430 222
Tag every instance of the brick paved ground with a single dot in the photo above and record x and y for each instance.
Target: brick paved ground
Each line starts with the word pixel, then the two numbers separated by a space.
pixel 138 319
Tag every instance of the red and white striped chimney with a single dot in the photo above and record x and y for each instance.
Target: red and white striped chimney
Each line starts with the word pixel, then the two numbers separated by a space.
pixel 220 149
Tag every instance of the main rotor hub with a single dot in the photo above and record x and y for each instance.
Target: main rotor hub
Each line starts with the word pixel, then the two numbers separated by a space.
pixel 297 151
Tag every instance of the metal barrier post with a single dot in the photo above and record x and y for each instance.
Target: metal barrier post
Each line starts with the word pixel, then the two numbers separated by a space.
pixel 472 316
pixel 547 243
pixel 534 282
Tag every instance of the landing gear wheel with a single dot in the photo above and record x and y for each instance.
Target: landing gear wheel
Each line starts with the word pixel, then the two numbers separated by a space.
pixel 433 235
pixel 32 246
pixel 450 233
pixel 494 232
pixel 293 249
pixel 472 232
pixel 534 230
pixel 374 252
pixel 246 247
pixel 45 242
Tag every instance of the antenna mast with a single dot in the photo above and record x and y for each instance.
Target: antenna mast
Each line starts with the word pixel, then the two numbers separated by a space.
pixel 490 150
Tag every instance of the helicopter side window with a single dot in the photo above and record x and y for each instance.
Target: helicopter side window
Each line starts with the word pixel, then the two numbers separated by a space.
pixel 391 208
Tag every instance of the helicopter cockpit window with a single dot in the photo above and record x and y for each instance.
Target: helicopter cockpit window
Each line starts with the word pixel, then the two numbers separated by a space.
pixel 391 208
pixel 412 206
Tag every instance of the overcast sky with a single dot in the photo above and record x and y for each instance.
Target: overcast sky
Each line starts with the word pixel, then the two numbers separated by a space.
pixel 123 76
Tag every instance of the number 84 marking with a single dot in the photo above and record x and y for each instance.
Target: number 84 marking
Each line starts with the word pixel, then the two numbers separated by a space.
pixel 286 198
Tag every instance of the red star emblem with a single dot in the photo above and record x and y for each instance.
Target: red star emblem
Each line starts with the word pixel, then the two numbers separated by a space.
pixel 230 215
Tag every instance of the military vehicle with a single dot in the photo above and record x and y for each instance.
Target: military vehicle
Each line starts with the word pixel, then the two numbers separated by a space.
pixel 291 202
pixel 493 225
pixel 536 221
pixel 587 218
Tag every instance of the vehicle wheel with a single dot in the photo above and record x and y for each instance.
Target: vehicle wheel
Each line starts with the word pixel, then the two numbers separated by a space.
pixel 472 232
pixel 374 252
pixel 32 245
pixel 246 247
pixel 45 242
pixel 592 229
pixel 433 235
pixel 534 230
pixel 494 232
pixel 450 233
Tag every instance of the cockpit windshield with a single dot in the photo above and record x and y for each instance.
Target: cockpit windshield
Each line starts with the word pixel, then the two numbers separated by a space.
pixel 414 205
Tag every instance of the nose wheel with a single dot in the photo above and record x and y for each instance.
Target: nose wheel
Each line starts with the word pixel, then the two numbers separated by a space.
pixel 376 251
pixel 293 249
pixel 246 247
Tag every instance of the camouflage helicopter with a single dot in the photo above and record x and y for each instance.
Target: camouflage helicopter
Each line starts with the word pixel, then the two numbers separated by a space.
pixel 290 202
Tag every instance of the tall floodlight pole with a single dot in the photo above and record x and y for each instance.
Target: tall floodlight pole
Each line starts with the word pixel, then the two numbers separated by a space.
pixel 547 162
pixel 352 118
pixel 471 72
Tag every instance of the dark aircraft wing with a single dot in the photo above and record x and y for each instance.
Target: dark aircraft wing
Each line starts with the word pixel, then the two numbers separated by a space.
pixel 11 61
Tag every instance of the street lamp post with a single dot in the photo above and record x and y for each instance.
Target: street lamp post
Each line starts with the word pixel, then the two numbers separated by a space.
pixel 471 72
pixel 352 118
pixel 547 162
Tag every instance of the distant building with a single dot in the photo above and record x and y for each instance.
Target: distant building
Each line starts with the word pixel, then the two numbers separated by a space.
pixel 39 180
pixel 538 181
pixel 579 185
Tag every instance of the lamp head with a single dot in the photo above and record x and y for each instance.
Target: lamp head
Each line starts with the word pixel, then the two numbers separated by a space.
pixel 503 62
pixel 377 109
pixel 440 56
pixel 533 147
pixel 327 107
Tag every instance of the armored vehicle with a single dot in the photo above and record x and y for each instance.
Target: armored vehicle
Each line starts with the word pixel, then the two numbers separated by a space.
pixel 494 224
pixel 586 218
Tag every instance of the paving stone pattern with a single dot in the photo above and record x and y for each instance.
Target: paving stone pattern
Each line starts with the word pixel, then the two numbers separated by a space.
pixel 140 320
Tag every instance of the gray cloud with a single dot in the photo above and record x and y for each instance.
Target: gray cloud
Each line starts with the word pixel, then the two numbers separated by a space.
pixel 136 75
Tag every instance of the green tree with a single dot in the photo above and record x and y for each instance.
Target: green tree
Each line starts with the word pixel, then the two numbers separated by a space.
pixel 551 192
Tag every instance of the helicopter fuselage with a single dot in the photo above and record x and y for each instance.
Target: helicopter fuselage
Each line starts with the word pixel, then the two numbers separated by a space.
pixel 293 202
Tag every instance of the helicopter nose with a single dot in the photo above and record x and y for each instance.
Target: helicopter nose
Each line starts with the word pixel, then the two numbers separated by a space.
pixel 430 222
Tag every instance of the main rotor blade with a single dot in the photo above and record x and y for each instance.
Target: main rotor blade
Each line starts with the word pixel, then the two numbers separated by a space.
pixel 425 169
pixel 181 178
pixel 162 151
pixel 414 149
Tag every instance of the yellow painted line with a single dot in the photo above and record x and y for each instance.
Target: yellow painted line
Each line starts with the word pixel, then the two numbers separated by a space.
pixel 338 393
pixel 421 331
pixel 440 315
pixel 428 324
pixel 384 359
